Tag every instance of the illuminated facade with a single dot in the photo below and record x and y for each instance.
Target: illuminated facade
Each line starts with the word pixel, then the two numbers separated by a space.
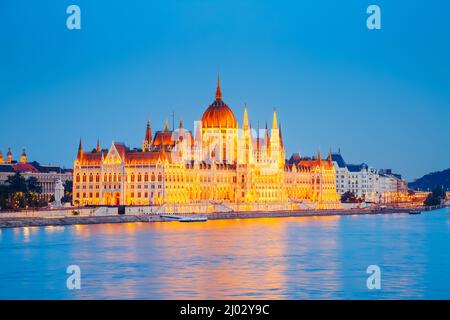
pixel 219 163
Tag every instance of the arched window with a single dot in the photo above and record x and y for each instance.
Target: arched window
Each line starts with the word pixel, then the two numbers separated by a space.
pixel 78 177
pixel 84 177
pixel 91 178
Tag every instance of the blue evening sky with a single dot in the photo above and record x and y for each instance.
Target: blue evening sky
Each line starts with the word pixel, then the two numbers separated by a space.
pixel 383 96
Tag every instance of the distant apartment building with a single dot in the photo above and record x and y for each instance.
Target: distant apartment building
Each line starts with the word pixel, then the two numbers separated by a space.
pixel 46 175
pixel 366 182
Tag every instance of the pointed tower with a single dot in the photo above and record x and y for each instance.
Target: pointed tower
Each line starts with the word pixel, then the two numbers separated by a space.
pixel 1 157
pixel 274 120
pixel 319 156
pixel 281 136
pixel 162 153
pixel 148 137
pixel 80 151
pixel 166 125
pixel 275 144
pixel 245 125
pixel 266 142
pixel 9 157
pixel 258 145
pixel 23 157
pixel 330 157
pixel 98 148
pixel 245 143
pixel 282 151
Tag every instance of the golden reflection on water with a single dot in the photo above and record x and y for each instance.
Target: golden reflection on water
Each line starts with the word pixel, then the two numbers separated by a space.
pixel 266 258
pixel 236 258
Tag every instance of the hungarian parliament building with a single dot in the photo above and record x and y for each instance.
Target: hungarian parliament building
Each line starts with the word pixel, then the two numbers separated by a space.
pixel 219 162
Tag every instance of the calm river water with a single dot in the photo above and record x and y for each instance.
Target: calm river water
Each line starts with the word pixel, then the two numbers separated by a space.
pixel 281 258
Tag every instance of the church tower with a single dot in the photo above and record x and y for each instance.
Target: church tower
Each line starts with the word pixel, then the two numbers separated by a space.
pixel 23 157
pixel 9 157
pixel 1 157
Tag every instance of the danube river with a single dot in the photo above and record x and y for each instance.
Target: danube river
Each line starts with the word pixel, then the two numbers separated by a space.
pixel 280 258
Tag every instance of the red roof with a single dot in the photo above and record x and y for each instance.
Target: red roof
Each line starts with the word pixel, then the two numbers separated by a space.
pixel 24 167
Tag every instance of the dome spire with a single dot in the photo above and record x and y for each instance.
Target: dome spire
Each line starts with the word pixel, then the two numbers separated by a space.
pixel 218 91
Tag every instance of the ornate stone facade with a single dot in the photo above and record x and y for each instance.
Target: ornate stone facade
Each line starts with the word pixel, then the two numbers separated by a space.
pixel 219 164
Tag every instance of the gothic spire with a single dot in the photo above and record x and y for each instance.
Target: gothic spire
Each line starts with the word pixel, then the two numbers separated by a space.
pixel 166 125
pixel 274 121
pixel 148 132
pixel 245 122
pixel 80 150
pixel 281 137
pixel 98 148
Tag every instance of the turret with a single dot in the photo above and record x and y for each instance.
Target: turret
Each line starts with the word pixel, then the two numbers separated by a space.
pixel 98 148
pixel 1 157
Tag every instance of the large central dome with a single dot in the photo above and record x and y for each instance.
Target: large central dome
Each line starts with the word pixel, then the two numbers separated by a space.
pixel 218 114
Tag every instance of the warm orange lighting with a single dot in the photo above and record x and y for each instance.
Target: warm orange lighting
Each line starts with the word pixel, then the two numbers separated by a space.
pixel 219 167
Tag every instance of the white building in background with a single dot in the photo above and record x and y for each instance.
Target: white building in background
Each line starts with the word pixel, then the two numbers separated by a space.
pixel 366 182
pixel 46 175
